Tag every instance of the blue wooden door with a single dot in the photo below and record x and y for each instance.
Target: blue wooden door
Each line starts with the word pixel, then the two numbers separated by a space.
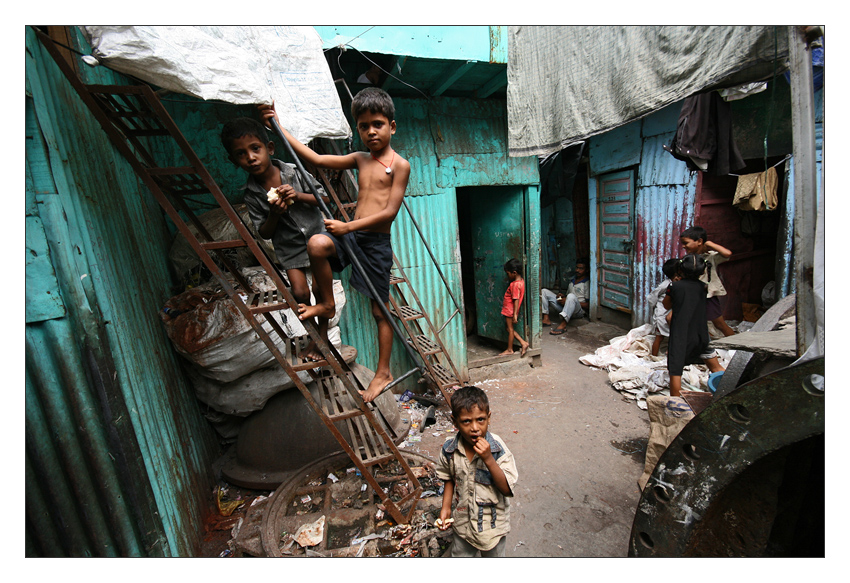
pixel 497 220
pixel 616 237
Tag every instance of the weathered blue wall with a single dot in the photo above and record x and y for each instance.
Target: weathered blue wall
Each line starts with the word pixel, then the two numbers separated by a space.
pixel 664 196
pixel 475 43
pixel 118 455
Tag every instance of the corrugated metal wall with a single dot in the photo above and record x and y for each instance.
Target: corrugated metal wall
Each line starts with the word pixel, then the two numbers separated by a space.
pixel 118 455
pixel 450 143
pixel 664 207
pixel 664 196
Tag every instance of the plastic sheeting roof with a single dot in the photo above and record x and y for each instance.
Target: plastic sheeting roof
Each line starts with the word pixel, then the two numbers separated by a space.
pixel 567 83
pixel 235 64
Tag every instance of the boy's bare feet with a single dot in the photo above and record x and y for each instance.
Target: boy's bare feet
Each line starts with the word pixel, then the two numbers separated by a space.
pixel 376 386
pixel 506 352
pixel 311 353
pixel 523 349
pixel 318 311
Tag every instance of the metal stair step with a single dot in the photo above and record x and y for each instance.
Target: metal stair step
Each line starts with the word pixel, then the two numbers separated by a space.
pixel 444 377
pixel 231 244
pixel 395 280
pixel 407 313
pixel 425 345
pixel 267 301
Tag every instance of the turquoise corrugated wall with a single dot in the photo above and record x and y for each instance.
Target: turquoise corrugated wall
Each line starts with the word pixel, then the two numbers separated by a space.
pixel 450 143
pixel 118 455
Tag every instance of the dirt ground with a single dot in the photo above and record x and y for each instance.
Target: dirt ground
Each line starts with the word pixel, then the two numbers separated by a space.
pixel 578 444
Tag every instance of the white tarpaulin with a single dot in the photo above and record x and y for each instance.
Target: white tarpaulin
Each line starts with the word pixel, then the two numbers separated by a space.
pixel 235 64
pixel 567 83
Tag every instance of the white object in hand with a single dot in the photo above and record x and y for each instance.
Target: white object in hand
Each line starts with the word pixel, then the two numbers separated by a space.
pixel 272 196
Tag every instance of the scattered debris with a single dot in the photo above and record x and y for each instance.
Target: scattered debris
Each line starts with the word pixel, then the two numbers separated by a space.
pixel 311 534
pixel 634 372
pixel 224 505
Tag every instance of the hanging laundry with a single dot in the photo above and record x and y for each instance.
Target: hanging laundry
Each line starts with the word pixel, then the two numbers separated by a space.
pixel 757 192
pixel 704 135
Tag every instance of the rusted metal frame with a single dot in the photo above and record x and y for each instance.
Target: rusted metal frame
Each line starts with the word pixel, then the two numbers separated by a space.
pixel 116 137
pixel 435 332
pixel 143 121
pixel 354 455
pixel 323 175
pixel 369 439
pixel 406 323
pixel 213 245
pixel 118 118
pixel 236 220
pixel 107 107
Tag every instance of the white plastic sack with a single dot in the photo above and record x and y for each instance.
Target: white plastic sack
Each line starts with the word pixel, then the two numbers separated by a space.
pixel 235 64
pixel 637 374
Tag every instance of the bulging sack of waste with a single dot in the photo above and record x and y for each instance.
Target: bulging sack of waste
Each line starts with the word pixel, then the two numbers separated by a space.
pixel 208 329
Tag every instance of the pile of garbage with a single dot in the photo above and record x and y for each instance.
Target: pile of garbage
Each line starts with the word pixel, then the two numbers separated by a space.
pixel 230 367
pixel 424 415
pixel 420 537
pixel 636 373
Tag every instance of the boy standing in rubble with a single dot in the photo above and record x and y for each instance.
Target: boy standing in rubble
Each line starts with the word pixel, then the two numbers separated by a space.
pixel 382 177
pixel 479 467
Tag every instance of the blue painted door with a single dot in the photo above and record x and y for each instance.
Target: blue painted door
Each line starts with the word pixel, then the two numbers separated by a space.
pixel 497 220
pixel 616 237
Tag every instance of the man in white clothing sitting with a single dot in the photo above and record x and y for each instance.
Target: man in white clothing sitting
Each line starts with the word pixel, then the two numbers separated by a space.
pixel 571 305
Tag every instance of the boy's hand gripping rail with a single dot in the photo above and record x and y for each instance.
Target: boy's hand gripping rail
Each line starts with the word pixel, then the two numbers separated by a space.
pixel 354 260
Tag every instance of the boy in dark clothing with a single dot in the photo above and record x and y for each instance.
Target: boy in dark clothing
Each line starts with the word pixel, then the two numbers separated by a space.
pixel 277 204
pixel 382 177
pixel 688 327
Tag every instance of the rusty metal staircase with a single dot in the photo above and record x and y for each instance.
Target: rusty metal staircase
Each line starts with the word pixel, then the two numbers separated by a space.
pixel 129 114
pixel 422 335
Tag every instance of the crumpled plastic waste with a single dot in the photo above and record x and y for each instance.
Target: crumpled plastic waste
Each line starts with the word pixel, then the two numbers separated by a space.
pixel 226 507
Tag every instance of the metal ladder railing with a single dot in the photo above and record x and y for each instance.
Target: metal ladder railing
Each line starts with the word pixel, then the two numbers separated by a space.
pixel 130 113
pixel 441 370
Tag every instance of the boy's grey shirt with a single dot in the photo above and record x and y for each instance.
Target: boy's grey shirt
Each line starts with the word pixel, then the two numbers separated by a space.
pixel 295 226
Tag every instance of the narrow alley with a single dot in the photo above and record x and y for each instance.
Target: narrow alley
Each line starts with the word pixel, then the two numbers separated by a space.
pixel 578 444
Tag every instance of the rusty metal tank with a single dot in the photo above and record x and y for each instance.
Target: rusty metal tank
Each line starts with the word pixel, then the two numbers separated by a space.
pixel 287 434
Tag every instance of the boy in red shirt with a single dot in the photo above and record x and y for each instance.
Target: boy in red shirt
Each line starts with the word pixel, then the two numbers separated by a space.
pixel 510 306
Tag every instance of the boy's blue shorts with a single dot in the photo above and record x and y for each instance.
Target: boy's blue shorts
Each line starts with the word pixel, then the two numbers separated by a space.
pixel 375 252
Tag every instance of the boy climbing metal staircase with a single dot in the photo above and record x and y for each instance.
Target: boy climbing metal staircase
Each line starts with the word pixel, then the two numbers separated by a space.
pixel 129 114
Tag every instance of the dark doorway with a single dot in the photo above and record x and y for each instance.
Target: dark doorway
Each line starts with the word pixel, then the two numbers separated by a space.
pixel 751 236
pixel 491 227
